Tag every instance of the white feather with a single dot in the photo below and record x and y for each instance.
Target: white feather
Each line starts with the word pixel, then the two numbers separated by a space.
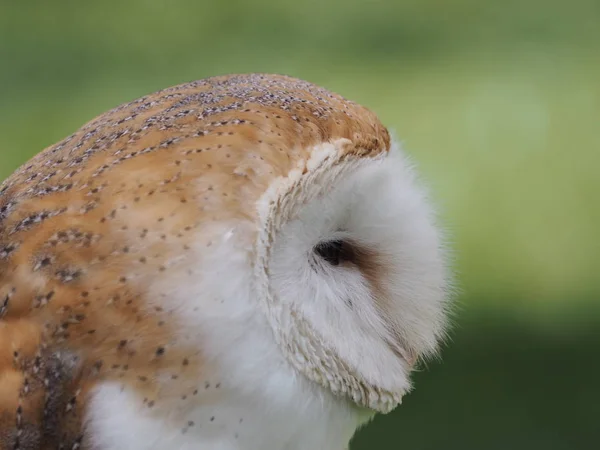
pixel 257 399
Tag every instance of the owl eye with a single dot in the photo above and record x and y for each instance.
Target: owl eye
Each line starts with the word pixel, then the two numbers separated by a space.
pixel 335 252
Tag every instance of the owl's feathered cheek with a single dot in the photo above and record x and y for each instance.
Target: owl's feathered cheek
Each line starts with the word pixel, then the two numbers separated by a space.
pixel 371 266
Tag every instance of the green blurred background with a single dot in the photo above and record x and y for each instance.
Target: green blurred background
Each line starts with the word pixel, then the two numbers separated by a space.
pixel 498 101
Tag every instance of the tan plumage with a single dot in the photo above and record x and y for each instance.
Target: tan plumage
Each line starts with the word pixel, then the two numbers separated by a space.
pixel 88 223
pixel 88 220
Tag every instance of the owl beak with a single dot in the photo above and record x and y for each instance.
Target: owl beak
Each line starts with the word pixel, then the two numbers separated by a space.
pixel 409 356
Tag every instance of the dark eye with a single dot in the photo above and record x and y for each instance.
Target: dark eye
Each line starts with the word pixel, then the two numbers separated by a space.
pixel 334 252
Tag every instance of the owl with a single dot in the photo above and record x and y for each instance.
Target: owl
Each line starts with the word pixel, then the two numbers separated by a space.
pixel 245 262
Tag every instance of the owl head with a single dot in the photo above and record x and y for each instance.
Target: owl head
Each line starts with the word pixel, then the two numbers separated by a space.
pixel 178 236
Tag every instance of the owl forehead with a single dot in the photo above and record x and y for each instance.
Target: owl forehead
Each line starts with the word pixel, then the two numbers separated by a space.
pixel 218 143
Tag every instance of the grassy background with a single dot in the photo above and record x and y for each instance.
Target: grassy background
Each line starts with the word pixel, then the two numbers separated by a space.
pixel 499 102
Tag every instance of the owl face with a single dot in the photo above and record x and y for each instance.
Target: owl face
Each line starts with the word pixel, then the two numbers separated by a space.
pixel 253 245
pixel 358 267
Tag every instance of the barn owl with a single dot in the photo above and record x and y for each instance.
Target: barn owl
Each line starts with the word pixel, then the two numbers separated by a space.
pixel 245 262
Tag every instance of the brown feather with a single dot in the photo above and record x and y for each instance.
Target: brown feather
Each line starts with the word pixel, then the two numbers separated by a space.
pixel 88 220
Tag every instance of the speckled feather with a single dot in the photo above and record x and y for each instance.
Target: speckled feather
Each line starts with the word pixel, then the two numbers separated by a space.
pixel 87 222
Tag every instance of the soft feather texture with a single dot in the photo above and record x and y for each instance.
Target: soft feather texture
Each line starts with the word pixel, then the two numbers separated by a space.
pixel 381 312
pixel 159 288
pixel 248 396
